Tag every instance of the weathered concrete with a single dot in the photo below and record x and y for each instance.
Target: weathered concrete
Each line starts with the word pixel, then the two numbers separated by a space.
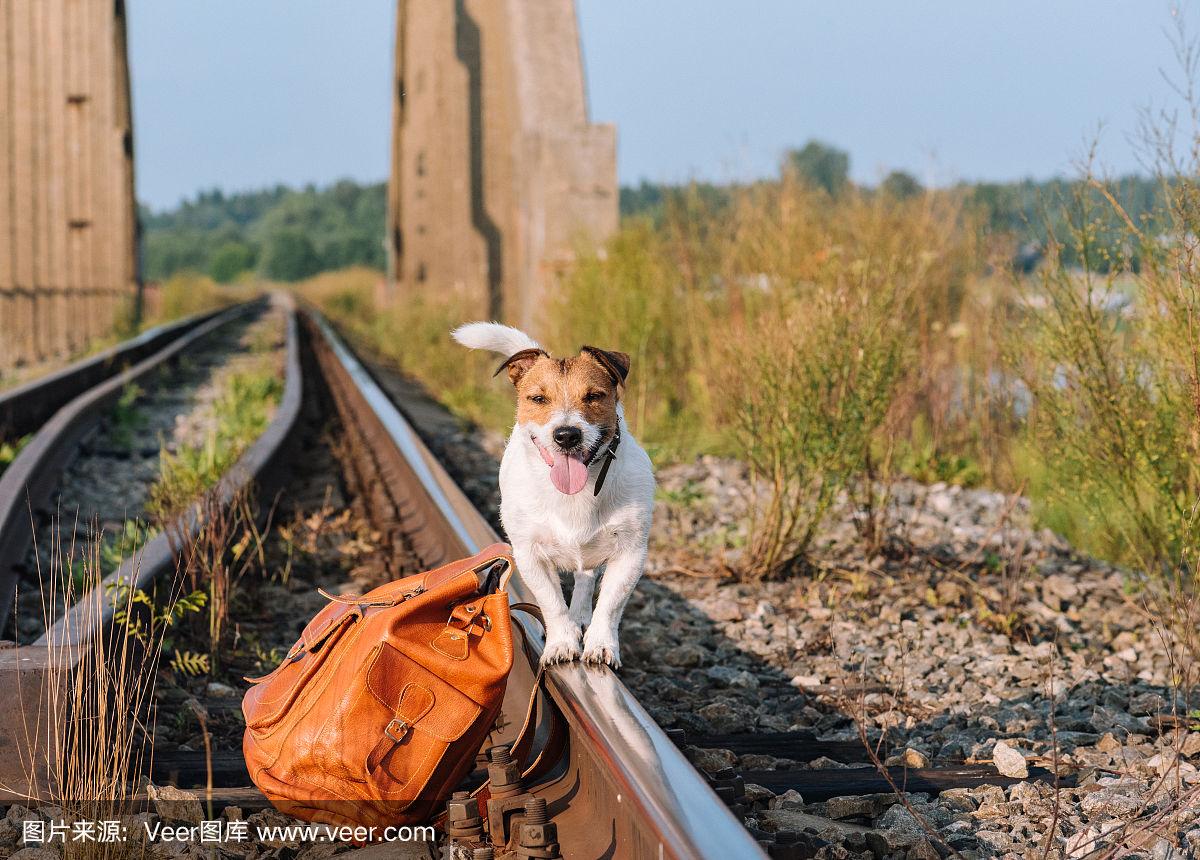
pixel 67 216
pixel 496 171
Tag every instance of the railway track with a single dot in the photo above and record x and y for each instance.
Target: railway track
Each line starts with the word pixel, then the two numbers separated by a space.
pixel 96 460
pixel 354 497
pixel 25 408
pixel 349 496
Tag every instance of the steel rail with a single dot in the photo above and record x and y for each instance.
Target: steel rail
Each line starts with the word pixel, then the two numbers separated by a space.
pixel 26 407
pixel 32 674
pixel 160 554
pixel 31 477
pixel 627 790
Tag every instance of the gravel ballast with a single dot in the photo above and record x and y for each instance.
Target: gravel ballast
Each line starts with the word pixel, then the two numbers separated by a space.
pixel 973 630
pixel 979 639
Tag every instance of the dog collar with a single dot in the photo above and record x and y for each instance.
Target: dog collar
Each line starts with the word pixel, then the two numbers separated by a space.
pixel 609 455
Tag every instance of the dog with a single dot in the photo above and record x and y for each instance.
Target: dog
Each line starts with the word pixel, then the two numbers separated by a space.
pixel 576 489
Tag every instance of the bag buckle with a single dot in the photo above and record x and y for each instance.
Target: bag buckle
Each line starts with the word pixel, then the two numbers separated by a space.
pixel 397 729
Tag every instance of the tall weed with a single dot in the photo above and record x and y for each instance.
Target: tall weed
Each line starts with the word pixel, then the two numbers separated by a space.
pixel 1114 367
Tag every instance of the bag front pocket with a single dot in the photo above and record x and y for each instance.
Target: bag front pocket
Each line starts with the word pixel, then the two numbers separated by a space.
pixel 403 721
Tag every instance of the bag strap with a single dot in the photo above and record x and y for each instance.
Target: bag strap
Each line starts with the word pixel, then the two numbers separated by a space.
pixel 547 757
pixel 530 609
pixel 550 753
pixel 524 740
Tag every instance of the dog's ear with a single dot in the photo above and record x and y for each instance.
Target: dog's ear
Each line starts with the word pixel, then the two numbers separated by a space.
pixel 519 362
pixel 616 363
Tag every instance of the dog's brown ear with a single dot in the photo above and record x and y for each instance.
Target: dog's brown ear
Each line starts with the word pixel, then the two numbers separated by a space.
pixel 519 362
pixel 616 363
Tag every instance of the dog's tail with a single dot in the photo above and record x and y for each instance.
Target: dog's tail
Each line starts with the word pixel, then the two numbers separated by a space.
pixel 493 336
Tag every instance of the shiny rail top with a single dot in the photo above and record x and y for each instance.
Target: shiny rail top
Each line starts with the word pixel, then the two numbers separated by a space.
pixel 657 784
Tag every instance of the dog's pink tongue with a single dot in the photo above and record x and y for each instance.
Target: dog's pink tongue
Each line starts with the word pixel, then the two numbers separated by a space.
pixel 568 473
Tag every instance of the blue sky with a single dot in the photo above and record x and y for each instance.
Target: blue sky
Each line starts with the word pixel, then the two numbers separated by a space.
pixel 245 93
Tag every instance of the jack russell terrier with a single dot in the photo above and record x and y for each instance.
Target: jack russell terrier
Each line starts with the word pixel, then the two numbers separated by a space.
pixel 569 500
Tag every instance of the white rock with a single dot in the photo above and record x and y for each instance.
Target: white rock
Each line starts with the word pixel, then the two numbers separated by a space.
pixel 175 804
pixel 1009 762
pixel 1109 803
pixel 1082 843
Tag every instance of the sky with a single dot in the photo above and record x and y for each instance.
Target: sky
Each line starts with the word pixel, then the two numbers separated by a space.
pixel 241 94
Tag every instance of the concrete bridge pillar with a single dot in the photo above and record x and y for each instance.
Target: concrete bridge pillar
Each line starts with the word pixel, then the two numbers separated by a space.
pixel 497 172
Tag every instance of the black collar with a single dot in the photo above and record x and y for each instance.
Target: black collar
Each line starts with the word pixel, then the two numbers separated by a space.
pixel 609 455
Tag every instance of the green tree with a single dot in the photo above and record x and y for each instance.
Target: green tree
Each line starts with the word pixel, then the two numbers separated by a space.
pixel 820 164
pixel 344 223
pixel 230 260
pixel 289 255
pixel 900 185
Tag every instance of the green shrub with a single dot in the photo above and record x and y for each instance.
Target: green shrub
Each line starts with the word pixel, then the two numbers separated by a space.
pixel 1113 361
pixel 809 392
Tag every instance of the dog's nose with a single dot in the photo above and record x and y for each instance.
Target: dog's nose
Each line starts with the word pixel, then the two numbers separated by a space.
pixel 568 437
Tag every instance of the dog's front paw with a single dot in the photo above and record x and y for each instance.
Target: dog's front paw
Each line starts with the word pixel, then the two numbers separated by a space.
pixel 559 652
pixel 600 648
pixel 561 647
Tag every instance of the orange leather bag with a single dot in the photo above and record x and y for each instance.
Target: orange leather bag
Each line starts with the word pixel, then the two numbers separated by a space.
pixel 378 711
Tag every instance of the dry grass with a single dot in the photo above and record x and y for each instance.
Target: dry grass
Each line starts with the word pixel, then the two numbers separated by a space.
pixel 220 543
pixel 189 293
pixel 414 333
pixel 93 731
pixel 835 342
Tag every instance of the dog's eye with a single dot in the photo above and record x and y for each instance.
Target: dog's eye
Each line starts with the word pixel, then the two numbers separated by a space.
pixel 537 398
pixel 593 396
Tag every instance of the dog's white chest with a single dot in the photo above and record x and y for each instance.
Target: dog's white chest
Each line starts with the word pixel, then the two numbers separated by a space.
pixel 572 547
pixel 569 538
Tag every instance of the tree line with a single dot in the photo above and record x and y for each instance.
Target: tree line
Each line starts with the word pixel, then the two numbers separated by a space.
pixel 280 233
pixel 286 234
